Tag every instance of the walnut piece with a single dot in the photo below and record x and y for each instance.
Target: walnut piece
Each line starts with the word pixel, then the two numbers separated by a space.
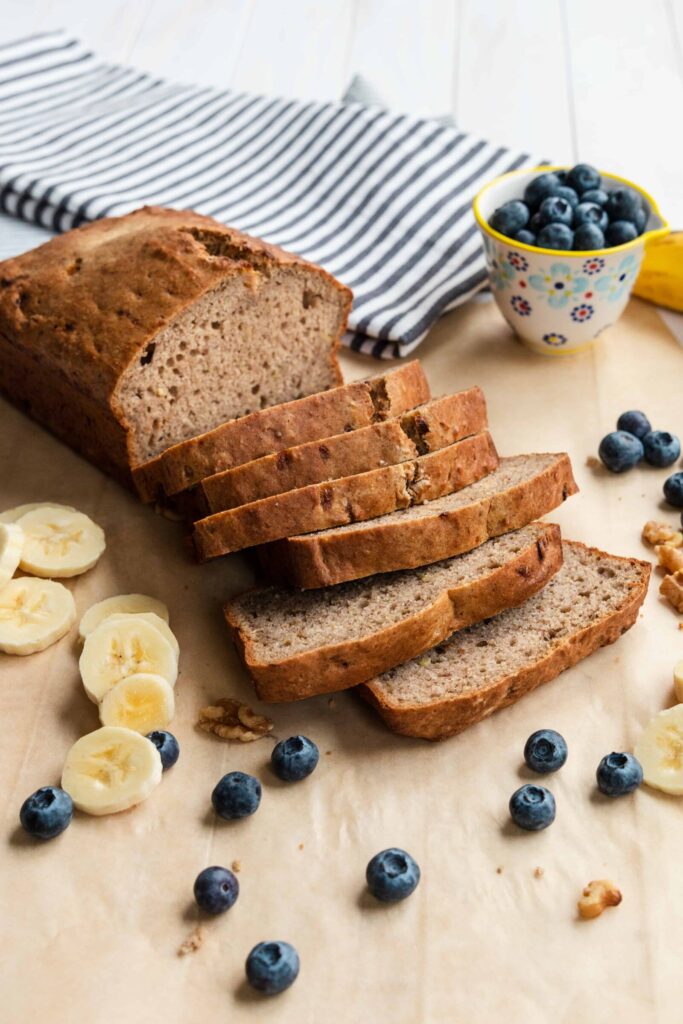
pixel 193 942
pixel 231 720
pixel 669 557
pixel 672 589
pixel 662 533
pixel 597 896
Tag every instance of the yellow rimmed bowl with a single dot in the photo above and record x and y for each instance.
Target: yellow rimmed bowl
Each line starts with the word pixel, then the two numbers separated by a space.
pixel 559 302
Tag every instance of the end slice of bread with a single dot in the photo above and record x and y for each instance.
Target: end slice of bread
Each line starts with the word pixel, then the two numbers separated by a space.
pixel 590 602
pixel 296 644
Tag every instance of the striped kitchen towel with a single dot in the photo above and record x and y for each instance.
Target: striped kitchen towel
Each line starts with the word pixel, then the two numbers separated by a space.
pixel 382 200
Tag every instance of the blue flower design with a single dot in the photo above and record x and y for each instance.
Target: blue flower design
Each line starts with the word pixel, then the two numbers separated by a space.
pixel 618 280
pixel 582 313
pixel 520 305
pixel 559 284
pixel 593 265
pixel 516 260
pixel 555 339
pixel 502 274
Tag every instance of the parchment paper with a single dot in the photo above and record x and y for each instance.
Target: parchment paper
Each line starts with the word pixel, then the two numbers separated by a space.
pixel 92 921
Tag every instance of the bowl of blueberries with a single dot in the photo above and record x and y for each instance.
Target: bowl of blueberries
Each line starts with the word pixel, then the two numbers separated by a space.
pixel 563 249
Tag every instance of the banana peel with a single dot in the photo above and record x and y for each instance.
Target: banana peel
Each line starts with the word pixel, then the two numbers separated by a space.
pixel 661 274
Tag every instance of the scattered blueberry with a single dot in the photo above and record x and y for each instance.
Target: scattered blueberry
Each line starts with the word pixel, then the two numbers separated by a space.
pixel 589 236
pixel 623 204
pixel 619 774
pixel 167 745
pixel 567 193
pixel 555 210
pixel 526 237
pixel 620 451
pixel 595 195
pixel 237 795
pixel 634 422
pixel 620 231
pixel 532 807
pixel 294 759
pixel 540 188
pixel 583 177
pixel 272 967
pixel 47 812
pixel 661 448
pixel 590 213
pixel 392 875
pixel 510 218
pixel 555 236
pixel 545 751
pixel 216 889
pixel 673 491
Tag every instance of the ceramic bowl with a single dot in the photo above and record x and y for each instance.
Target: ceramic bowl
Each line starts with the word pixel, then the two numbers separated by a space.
pixel 559 302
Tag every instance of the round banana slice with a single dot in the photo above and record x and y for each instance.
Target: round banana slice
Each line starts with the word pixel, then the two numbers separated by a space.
pixel 120 604
pixel 110 770
pixel 154 620
pixel 116 650
pixel 11 545
pixel 142 702
pixel 660 751
pixel 34 614
pixel 10 515
pixel 678 679
pixel 59 542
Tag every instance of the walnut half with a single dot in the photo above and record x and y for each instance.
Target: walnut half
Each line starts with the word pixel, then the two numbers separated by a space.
pixel 597 896
pixel 670 558
pixel 672 589
pixel 662 533
pixel 231 720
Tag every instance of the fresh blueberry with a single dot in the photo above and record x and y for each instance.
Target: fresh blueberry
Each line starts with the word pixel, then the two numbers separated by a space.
pixel 619 774
pixel 661 448
pixel 673 491
pixel 526 237
pixel 588 236
pixel 620 231
pixel 535 223
pixel 583 177
pixel 392 875
pixel 167 745
pixel 294 759
pixel 620 451
pixel 622 204
pixel 47 812
pixel 545 751
pixel 532 807
pixel 641 219
pixel 565 192
pixel 555 236
pixel 561 176
pixel 216 889
pixel 540 188
pixel 272 967
pixel 590 213
pixel 595 195
pixel 555 210
pixel 237 795
pixel 634 422
pixel 510 218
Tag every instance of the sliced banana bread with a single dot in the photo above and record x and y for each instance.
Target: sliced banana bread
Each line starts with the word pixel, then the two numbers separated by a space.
pixel 350 499
pixel 521 489
pixel 296 644
pixel 591 601
pixel 319 415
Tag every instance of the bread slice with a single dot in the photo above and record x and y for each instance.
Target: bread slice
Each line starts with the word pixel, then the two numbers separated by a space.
pixel 350 499
pixel 296 644
pixel 425 429
pixel 591 601
pixel 320 415
pixel 521 489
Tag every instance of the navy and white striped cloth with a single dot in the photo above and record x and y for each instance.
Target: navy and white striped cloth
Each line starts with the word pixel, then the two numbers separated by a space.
pixel 382 200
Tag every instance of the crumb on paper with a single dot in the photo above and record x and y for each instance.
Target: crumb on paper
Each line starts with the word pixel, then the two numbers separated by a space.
pixel 499 870
pixel 193 942
pixel 596 897
pixel 301 846
pixel 672 589
pixel 166 512
pixel 593 463
pixel 231 720
pixel 327 753
pixel 236 866
pixel 332 703
pixel 538 872
pixel 661 533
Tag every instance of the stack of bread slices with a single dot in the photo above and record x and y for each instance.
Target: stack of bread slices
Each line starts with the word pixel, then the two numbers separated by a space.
pixel 403 555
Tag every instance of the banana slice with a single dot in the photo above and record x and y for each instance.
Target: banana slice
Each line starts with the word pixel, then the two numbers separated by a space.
pixel 121 604
pixel 10 515
pixel 142 702
pixel 34 614
pixel 11 545
pixel 116 650
pixel 154 620
pixel 678 679
pixel 660 751
pixel 59 542
pixel 110 770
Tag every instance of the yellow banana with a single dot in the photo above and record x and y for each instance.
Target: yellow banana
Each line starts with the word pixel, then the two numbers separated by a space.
pixel 661 275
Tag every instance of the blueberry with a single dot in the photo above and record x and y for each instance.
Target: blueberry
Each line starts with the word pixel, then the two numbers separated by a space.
pixel 619 774
pixel 510 218
pixel 555 236
pixel 565 192
pixel 583 177
pixel 661 448
pixel 588 236
pixel 545 751
pixel 673 491
pixel 561 176
pixel 532 807
pixel 526 237
pixel 641 219
pixel 590 213
pixel 47 812
pixel 272 967
pixel 294 759
pixel 620 451
pixel 634 422
pixel 555 210
pixel 392 875
pixel 167 745
pixel 620 231
pixel 540 188
pixel 216 889
pixel 237 795
pixel 595 195
pixel 535 224
pixel 622 204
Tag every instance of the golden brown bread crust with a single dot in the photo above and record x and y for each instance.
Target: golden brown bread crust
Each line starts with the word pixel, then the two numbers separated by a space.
pixel 450 716
pixel 342 665
pixel 318 561
pixel 77 311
